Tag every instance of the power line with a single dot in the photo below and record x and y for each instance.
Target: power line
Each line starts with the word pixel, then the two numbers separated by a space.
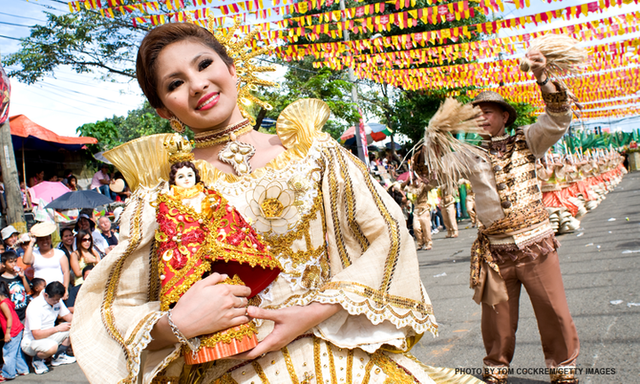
pixel 16 25
pixel 21 17
pixel 9 37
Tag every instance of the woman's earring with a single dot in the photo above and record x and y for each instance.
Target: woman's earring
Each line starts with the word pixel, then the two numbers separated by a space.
pixel 176 124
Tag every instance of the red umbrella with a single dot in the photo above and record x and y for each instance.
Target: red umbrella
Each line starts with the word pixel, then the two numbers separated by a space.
pixel 48 191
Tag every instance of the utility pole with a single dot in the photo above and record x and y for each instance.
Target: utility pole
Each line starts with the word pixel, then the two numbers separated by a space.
pixel 15 213
pixel 354 93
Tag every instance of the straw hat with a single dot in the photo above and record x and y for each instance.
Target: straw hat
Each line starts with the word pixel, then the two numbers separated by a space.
pixel 117 186
pixel 7 232
pixel 43 229
pixel 494 97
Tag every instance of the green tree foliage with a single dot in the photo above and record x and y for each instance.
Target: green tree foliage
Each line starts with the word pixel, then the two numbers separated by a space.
pixel 117 130
pixel 302 81
pixel 85 41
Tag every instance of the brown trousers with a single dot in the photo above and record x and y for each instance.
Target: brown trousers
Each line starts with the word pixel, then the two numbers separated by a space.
pixel 471 209
pixel 449 217
pixel 422 225
pixel 543 281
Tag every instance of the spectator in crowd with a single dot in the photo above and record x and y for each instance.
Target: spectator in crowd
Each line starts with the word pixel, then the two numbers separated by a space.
pixel 86 223
pixel 109 234
pixel 14 362
pixel 73 183
pixel 18 285
pixel 101 181
pixel 23 243
pixel 10 239
pixel 36 179
pixel 48 263
pixel 67 246
pixel 65 177
pixel 73 292
pixel 85 254
pixel 37 286
pixel 42 338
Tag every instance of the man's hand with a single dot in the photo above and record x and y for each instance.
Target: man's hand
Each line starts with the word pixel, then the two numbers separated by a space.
pixel 538 67
pixel 63 327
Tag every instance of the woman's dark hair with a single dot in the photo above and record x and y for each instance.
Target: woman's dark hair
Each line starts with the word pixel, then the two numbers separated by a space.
pixel 4 289
pixel 65 230
pixel 79 236
pixel 72 178
pixel 175 167
pixel 156 40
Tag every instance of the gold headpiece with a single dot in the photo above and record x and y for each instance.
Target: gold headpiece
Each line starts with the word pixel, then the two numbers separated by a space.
pixel 179 149
pixel 246 70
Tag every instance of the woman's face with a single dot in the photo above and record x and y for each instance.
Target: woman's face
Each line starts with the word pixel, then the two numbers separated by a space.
pixel 44 243
pixel 185 177
pixel 67 238
pixel 85 241
pixel 196 86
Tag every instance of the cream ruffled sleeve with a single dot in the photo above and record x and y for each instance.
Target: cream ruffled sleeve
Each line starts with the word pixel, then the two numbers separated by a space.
pixel 118 304
pixel 373 263
pixel 374 267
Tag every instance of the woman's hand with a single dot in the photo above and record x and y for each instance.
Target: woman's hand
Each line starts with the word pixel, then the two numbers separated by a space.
pixel 209 306
pixel 289 323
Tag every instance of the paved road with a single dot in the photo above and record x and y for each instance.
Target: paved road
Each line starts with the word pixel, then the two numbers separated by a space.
pixel 600 264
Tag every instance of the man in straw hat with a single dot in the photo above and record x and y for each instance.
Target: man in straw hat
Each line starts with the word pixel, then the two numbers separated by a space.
pixel 516 245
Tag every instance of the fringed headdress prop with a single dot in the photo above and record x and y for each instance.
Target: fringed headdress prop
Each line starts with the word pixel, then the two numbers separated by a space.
pixel 244 60
pixel 443 156
pixel 563 57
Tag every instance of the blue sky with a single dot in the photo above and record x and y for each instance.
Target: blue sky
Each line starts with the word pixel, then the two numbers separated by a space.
pixel 68 100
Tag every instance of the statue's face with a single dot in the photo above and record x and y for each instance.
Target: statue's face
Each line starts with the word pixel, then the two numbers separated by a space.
pixel 185 177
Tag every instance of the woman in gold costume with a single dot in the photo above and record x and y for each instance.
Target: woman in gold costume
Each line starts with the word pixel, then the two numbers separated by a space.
pixel 348 303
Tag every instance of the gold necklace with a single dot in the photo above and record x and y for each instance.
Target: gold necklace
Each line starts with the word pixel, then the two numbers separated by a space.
pixel 209 139
pixel 236 153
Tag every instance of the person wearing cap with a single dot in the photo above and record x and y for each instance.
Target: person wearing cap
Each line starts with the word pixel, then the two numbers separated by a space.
pixel 10 239
pixel 516 245
pixel 86 223
pixel 48 263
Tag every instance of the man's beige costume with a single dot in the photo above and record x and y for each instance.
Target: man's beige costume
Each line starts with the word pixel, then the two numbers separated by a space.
pixel 516 245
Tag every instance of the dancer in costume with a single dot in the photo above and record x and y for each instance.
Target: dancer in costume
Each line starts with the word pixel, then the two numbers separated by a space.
pixel 516 245
pixel 348 303
pixel 422 212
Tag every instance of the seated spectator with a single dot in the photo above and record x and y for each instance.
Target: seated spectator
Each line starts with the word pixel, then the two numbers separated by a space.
pixel 85 254
pixel 17 284
pixel 73 292
pixel 109 234
pixel 37 286
pixel 36 179
pixel 73 183
pixel 42 338
pixel 101 181
pixel 86 223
